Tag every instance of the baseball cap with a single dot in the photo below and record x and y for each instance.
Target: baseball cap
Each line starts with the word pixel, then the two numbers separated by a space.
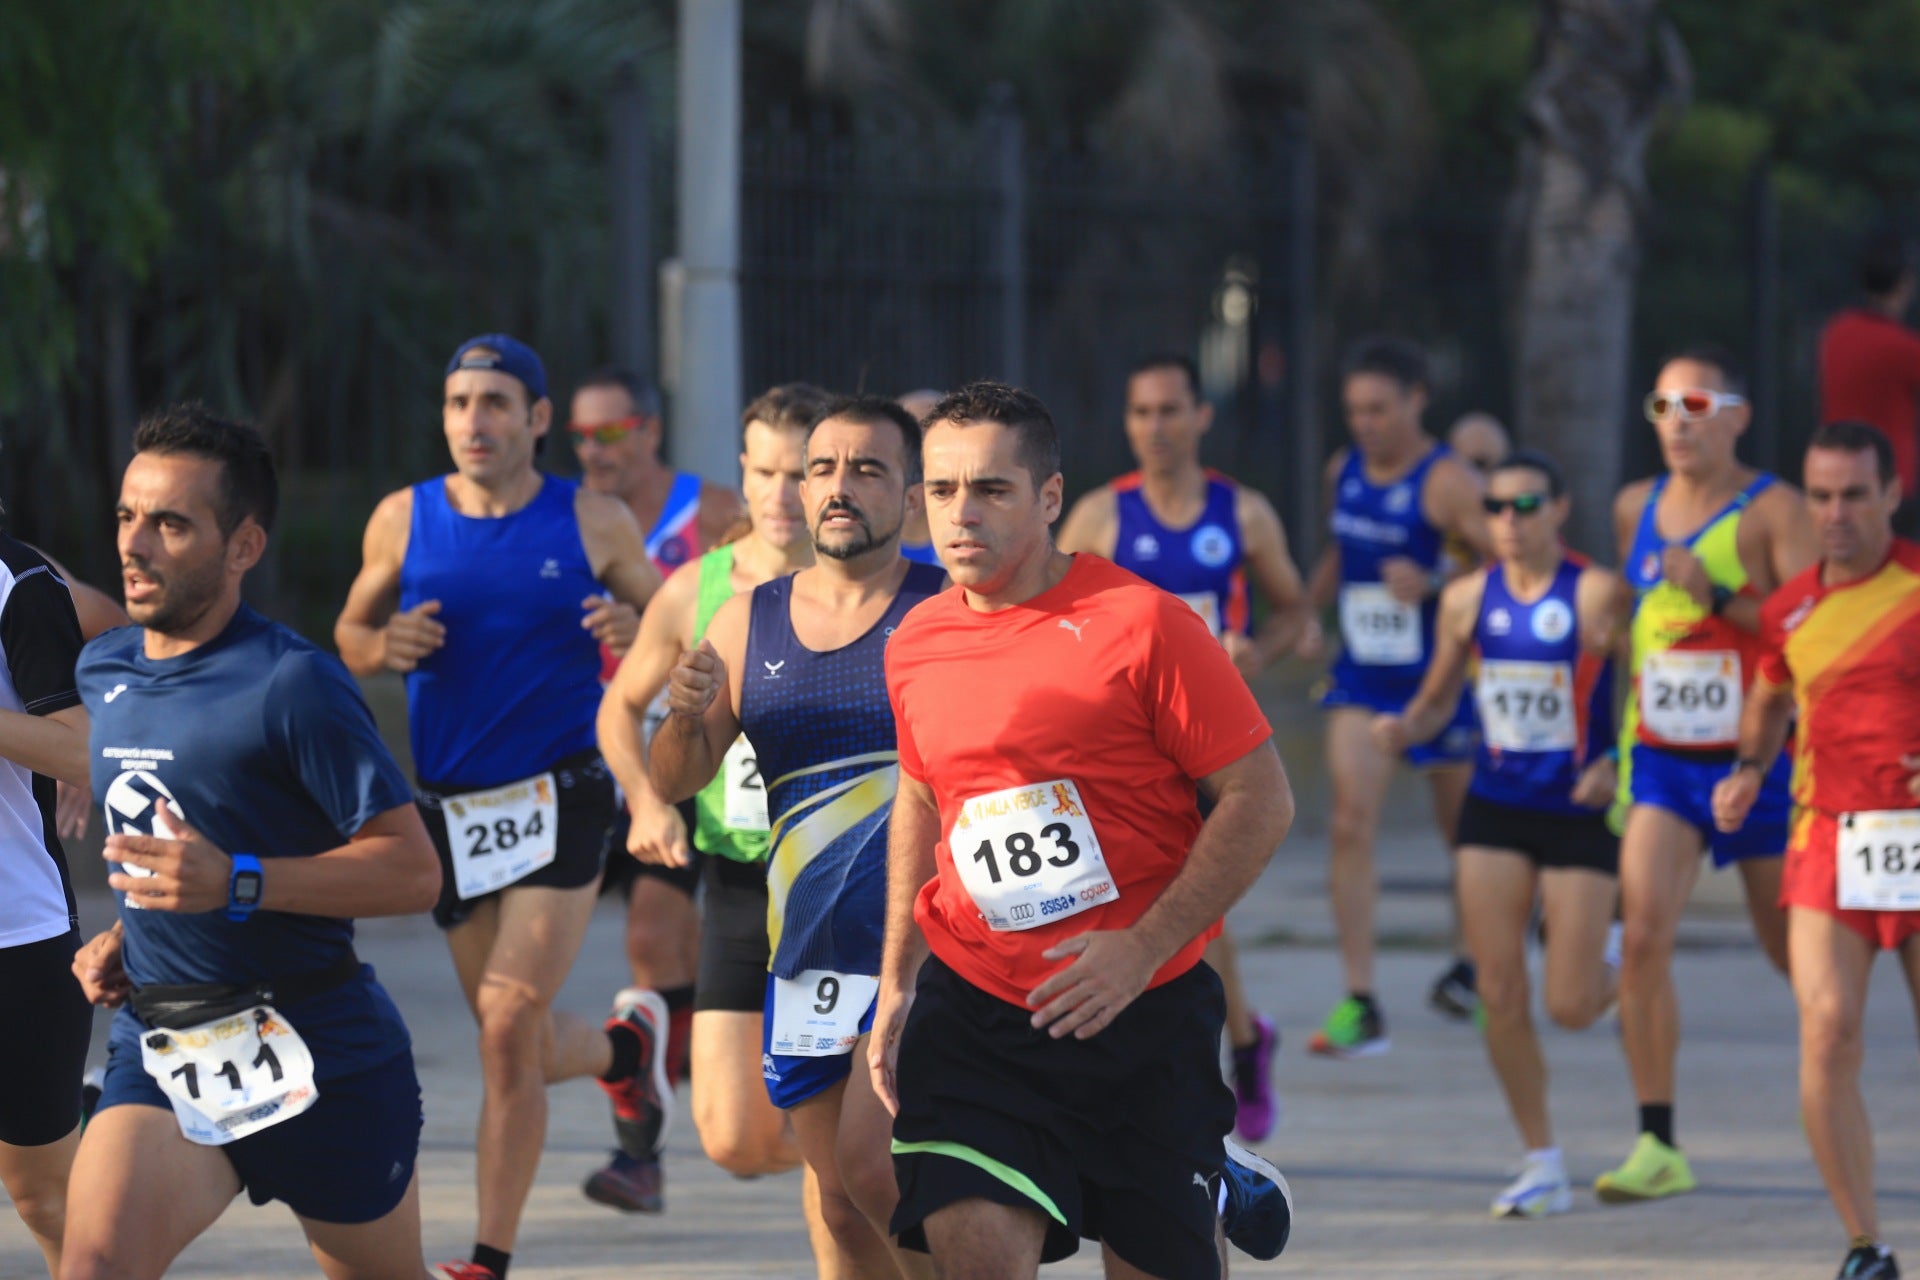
pixel 509 356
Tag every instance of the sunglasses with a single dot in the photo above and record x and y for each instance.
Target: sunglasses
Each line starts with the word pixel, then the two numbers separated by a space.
pixel 1690 405
pixel 1524 504
pixel 605 432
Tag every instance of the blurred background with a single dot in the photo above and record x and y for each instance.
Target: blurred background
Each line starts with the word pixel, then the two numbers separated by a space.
pixel 294 210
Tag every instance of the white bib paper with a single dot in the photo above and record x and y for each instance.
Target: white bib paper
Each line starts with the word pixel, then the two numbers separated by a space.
pixel 745 789
pixel 1879 860
pixel 1028 855
pixel 817 1013
pixel 1691 698
pixel 1527 706
pixel 1207 605
pixel 232 1076
pixel 1379 630
pixel 501 836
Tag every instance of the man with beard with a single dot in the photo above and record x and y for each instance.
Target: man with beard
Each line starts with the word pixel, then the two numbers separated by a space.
pixel 252 812
pixel 798 665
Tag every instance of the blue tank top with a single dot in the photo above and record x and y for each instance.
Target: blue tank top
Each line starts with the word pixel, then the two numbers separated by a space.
pixel 1203 564
pixel 1546 707
pixel 1371 523
pixel 822 730
pixel 675 536
pixel 516 686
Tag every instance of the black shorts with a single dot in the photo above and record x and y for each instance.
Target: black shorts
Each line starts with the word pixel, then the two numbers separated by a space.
pixel 39 996
pixel 734 951
pixel 584 806
pixel 1118 1138
pixel 624 870
pixel 1551 840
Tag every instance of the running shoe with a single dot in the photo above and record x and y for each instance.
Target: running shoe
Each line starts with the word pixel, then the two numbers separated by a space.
pixel 465 1271
pixel 642 1103
pixel 1869 1261
pixel 1452 994
pixel 629 1185
pixel 1259 1106
pixel 1654 1170
pixel 1354 1029
pixel 1542 1188
pixel 1258 1214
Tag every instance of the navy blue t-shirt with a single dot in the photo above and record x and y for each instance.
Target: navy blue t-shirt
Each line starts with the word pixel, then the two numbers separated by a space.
pixel 262 743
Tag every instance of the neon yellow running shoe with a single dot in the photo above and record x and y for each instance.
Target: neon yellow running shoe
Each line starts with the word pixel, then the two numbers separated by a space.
pixel 1654 1170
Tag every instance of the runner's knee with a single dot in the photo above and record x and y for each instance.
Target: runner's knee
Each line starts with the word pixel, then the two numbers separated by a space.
pixel 1350 824
pixel 1502 989
pixel 512 1026
pixel 42 1206
pixel 1572 1010
pixel 1645 945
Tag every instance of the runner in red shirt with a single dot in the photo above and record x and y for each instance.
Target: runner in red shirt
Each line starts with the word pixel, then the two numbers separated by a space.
pixel 1843 649
pixel 1870 363
pixel 1053 1071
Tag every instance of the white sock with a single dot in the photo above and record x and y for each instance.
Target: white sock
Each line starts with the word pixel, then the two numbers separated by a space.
pixel 1545 1155
pixel 1613 945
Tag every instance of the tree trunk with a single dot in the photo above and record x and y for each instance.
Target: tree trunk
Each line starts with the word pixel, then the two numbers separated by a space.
pixel 1603 72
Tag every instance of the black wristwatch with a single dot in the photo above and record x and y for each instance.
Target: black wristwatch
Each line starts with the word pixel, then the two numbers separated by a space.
pixel 1746 762
pixel 244 884
pixel 1722 596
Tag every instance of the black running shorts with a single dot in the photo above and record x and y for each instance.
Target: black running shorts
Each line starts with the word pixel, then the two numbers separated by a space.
pixel 624 870
pixel 584 804
pixel 734 952
pixel 1553 841
pixel 1118 1138
pixel 40 1076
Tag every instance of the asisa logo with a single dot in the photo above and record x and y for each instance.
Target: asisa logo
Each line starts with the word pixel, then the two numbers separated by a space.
pixel 1212 548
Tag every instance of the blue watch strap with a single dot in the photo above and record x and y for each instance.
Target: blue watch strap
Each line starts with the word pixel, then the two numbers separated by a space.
pixel 243 864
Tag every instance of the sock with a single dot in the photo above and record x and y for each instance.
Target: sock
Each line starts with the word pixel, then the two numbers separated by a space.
pixel 494 1260
pixel 1545 1155
pixel 626 1053
pixel 1366 1000
pixel 1656 1118
pixel 1862 1242
pixel 679 1029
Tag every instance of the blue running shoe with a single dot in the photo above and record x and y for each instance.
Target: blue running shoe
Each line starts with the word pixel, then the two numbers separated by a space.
pixel 1259 1211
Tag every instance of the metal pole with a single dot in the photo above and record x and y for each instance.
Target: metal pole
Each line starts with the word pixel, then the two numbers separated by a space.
pixel 1308 452
pixel 709 384
pixel 1008 136
pixel 630 138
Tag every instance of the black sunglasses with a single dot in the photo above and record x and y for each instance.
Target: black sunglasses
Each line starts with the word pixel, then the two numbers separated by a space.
pixel 1524 504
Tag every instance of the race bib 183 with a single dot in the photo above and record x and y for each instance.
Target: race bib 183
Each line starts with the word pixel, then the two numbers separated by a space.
pixel 1028 855
pixel 1879 860
pixel 501 836
pixel 1526 706
pixel 1379 631
pixel 232 1076
pixel 1691 697
pixel 817 1013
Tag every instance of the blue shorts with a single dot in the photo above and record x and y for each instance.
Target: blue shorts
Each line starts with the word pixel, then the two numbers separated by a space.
pixel 1454 744
pixel 347 1159
pixel 1683 786
pixel 791 1080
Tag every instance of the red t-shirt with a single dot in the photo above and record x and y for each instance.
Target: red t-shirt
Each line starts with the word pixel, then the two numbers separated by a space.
pixel 1852 655
pixel 1870 371
pixel 1054 734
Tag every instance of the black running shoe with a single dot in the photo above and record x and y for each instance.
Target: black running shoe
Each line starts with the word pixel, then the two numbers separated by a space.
pixel 1869 1262
pixel 1452 994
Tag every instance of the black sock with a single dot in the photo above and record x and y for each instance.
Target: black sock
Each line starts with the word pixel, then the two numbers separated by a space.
pixel 677 997
pixel 1366 1000
pixel 626 1053
pixel 494 1260
pixel 1656 1118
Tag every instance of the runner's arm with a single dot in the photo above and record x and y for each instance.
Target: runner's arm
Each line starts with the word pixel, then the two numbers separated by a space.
pixel 704 690
pixel 52 745
pixel 360 632
pixel 1275 576
pixel 98 611
pixel 1452 503
pixel 617 551
pixel 913 830
pixel 1323 584
pixel 1433 706
pixel 665 629
pixel 1092 525
pixel 1764 724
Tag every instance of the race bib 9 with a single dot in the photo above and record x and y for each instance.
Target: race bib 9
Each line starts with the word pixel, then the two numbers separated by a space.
pixel 1379 631
pixel 232 1076
pixel 1879 860
pixel 745 790
pixel 817 1013
pixel 1028 855
pixel 501 836
pixel 1690 697
pixel 1526 706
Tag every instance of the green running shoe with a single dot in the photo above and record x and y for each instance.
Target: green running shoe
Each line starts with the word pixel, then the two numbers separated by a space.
pixel 1653 1171
pixel 1354 1029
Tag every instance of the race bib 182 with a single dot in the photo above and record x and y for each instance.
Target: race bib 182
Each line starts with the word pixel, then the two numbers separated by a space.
pixel 1028 855
pixel 501 836
pixel 1879 860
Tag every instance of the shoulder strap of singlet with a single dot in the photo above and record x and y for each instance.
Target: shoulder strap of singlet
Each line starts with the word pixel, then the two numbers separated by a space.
pixel 684 493
pixel 715 588
pixel 1492 591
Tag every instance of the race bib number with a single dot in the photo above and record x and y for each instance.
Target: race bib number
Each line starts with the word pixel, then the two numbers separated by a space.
pixel 502 836
pixel 1879 860
pixel 817 1013
pixel 1028 855
pixel 1379 630
pixel 1207 605
pixel 745 789
pixel 232 1076
pixel 1691 698
pixel 1527 706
